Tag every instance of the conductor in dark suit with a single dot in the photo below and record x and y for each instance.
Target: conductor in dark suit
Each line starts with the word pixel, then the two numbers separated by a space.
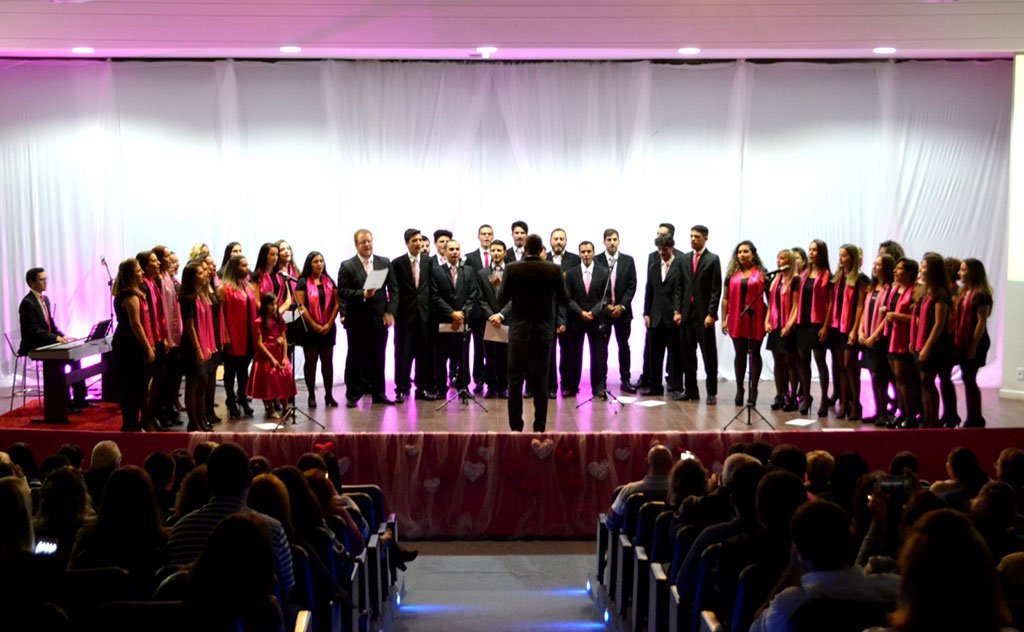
pixel 535 288
pixel 38 328
pixel 702 291
pixel 368 315
pixel 453 293
pixel 412 275
pixel 587 285
pixel 664 280
pixel 619 309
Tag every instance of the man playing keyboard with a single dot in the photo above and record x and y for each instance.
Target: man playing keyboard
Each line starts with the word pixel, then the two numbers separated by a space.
pixel 38 328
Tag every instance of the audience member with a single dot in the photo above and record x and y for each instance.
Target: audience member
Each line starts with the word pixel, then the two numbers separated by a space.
pixel 63 509
pixel 1010 470
pixel 790 458
pixel 183 464
pixel 339 519
pixel 160 467
pixel 128 532
pixel 228 472
pixel 24 576
pixel 259 465
pixel 201 452
pixel 659 462
pixel 716 506
pixel 760 450
pixel 193 494
pixel 73 453
pixel 231 586
pixel 820 466
pixel 819 568
pixel 850 466
pixel 105 458
pixel 903 461
pixel 21 455
pixel 51 463
pixel 687 479
pixel 994 514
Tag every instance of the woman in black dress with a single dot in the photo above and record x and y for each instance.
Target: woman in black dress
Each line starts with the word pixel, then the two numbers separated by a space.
pixel 319 306
pixel 131 348
pixel 929 338
pixel 974 306
pixel 815 292
pixel 874 339
pixel 781 319
pixel 198 343
pixel 851 286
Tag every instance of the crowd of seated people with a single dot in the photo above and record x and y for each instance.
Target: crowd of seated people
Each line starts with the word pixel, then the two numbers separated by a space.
pixel 212 529
pixel 882 548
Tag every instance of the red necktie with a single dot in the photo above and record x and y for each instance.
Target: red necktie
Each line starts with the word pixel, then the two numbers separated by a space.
pixel 46 313
pixel 487 259
pixel 696 257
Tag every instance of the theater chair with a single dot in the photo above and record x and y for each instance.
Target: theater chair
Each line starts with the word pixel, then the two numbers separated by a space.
pixel 659 559
pixel 839 615
pixel 752 589
pixel 605 537
pixel 705 597
pixel 33 617
pixel 623 554
pixel 642 541
pixel 152 616
pixel 81 592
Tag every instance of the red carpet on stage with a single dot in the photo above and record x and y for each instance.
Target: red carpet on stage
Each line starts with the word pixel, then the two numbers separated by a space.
pixel 499 484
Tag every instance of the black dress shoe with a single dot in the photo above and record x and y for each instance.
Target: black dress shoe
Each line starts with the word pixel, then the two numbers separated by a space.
pixel 712 400
pixel 381 398
pixel 350 403
pixel 552 393
pixel 652 390
pixel 311 402
pixel 627 387
pixel 479 388
pixel 528 394
pixel 537 427
pixel 399 398
pixel 569 393
pixel 426 396
pixel 246 408
pixel 491 394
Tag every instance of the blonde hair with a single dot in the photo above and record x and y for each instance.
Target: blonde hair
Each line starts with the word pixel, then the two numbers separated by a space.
pixel 857 256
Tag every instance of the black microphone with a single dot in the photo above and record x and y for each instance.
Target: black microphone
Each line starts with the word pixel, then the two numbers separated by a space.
pixel 103 260
pixel 287 276
pixel 782 269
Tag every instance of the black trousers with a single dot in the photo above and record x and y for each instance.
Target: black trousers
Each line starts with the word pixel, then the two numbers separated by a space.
pixel 411 345
pixel 696 334
pixel 497 365
pixel 665 337
pixel 454 348
pixel 573 358
pixel 621 327
pixel 476 329
pixel 364 363
pixel 528 360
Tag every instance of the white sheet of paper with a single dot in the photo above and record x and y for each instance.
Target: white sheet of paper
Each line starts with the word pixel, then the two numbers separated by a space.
pixel 496 334
pixel 626 399
pixel 801 422
pixel 375 280
pixel 268 425
pixel 446 328
pixel 649 403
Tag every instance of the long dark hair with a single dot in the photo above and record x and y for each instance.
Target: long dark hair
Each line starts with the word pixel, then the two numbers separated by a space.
pixel 227 256
pixel 129 513
pixel 190 279
pixel 935 278
pixel 261 260
pixel 977 278
pixel 307 267
pixel 126 281
pixel 734 263
pixel 267 312
pixel 888 268
pixel 822 262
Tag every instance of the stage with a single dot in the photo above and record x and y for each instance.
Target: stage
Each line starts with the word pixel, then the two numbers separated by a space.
pixel 458 472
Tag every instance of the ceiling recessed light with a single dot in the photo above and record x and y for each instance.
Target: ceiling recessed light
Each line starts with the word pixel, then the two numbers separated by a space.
pixel 883 50
pixel 486 51
pixel 689 50
pixel 83 50
pixel 290 49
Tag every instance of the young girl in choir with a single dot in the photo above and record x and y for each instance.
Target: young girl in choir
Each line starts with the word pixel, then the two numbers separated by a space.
pixel 198 342
pixel 874 339
pixel 315 293
pixel 743 315
pixel 851 286
pixel 971 341
pixel 131 346
pixel 271 377
pixel 168 286
pixel 238 313
pixel 779 324
pixel 814 290
pixel 901 357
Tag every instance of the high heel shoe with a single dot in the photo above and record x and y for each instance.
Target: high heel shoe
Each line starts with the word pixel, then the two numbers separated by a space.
pixel 855 413
pixel 739 395
pixel 330 402
pixel 823 411
pixel 791 404
pixel 778 402
pixel 805 405
pixel 844 411
pixel 233 412
pixel 246 408
pixel 752 400
pixel 311 402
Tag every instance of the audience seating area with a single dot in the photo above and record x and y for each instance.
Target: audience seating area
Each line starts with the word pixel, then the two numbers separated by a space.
pixel 916 551
pixel 63 525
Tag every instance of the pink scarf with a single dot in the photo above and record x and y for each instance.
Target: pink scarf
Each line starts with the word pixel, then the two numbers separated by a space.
pixel 313 298
pixel 920 328
pixel 779 308
pixel 843 321
pixel 204 328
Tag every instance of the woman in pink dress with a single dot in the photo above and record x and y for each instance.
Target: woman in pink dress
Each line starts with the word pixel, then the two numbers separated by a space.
pixel 271 377
pixel 743 314
pixel 237 315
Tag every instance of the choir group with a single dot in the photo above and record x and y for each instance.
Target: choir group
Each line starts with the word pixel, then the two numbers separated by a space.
pixel 909 324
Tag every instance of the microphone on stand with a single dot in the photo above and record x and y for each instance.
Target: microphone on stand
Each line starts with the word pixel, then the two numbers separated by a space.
pixel 287 276
pixel 777 270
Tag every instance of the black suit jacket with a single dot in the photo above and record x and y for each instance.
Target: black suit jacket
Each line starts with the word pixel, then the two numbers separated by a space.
pixel 34 330
pixel 705 287
pixel 365 312
pixel 582 301
pixel 445 299
pixel 661 297
pixel 569 260
pixel 534 288
pixel 625 281
pixel 654 256
pixel 510 255
pixel 413 301
pixel 487 297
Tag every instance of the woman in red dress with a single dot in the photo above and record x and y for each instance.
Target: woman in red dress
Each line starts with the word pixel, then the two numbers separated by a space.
pixel 851 286
pixel 271 377
pixel 743 314
pixel 901 359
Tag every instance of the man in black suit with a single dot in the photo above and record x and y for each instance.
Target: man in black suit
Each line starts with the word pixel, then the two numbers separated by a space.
pixel 587 285
pixel 453 293
pixel 535 288
pixel 698 302
pixel 368 314
pixel 38 328
pixel 412 275
pixel 478 260
pixel 566 260
pixel 519 232
pixel 619 310
pixel 664 228
pixel 664 281
pixel 489 280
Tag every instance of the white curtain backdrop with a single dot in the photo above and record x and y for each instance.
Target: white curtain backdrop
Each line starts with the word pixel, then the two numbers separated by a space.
pixel 108 158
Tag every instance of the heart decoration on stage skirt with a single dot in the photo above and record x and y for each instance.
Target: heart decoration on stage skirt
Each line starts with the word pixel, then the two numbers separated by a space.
pixel 344 465
pixel 623 454
pixel 431 485
pixel 326 446
pixel 473 471
pixel 412 449
pixel 599 469
pixel 485 453
pixel 542 449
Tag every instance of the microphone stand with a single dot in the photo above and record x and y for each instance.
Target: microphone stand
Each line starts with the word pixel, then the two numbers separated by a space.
pixel 293 411
pixel 110 286
pixel 602 330
pixel 749 408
